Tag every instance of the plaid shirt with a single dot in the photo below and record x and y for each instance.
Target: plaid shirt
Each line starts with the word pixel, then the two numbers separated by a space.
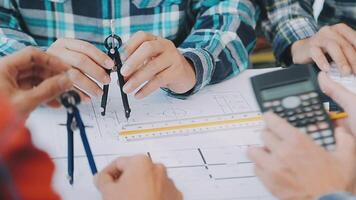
pixel 215 35
pixel 287 21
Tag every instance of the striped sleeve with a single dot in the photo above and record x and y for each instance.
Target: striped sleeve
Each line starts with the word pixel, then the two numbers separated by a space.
pixel 221 40
pixel 12 38
pixel 285 22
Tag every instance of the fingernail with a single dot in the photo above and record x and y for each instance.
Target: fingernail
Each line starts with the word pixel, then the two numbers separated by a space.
pixel 127 87
pixel 109 64
pixel 64 82
pixel 107 79
pixel 71 74
pixel 326 68
pixel 99 93
pixel 123 53
pixel 346 70
pixel 139 96
pixel 124 70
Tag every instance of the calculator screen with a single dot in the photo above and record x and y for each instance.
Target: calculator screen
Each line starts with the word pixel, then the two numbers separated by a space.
pixel 287 90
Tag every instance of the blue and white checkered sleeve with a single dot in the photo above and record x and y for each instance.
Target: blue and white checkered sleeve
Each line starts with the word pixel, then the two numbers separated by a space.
pixel 287 22
pixel 338 196
pixel 220 42
pixel 12 38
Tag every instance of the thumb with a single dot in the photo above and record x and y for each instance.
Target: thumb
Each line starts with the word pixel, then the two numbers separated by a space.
pixel 345 143
pixel 340 94
pixel 46 91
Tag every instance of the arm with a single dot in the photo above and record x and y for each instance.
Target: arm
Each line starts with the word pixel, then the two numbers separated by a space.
pixel 285 22
pixel 12 36
pixel 221 40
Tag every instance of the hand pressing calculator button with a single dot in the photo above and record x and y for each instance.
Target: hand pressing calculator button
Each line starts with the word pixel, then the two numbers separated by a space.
pixel 294 95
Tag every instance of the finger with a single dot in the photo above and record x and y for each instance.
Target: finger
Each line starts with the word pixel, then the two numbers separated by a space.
pixel 43 93
pixel 347 32
pixel 259 156
pixel 108 175
pixel 146 73
pixel 54 103
pixel 271 141
pixel 319 58
pixel 280 127
pixel 144 53
pixel 135 41
pixel 346 46
pixel 334 50
pixel 85 65
pixel 337 92
pixel 30 57
pixel 89 50
pixel 160 80
pixel 139 162
pixel 345 143
pixel 84 83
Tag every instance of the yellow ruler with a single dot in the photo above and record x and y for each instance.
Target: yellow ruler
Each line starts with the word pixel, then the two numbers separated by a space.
pixel 188 126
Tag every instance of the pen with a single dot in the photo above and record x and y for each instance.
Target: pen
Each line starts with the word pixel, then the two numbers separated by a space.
pixel 338 115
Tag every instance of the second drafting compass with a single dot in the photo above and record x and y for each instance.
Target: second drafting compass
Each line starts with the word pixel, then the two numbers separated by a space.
pixel 112 44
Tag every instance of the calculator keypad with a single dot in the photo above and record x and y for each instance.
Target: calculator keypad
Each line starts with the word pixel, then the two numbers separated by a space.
pixel 305 112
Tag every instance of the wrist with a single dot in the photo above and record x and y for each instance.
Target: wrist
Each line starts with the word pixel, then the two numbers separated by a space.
pixel 299 51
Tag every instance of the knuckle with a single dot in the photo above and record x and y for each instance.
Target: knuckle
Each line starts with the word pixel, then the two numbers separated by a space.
pixel 142 34
pixel 161 169
pixel 340 26
pixel 325 29
pixel 143 159
pixel 148 46
pixel 81 60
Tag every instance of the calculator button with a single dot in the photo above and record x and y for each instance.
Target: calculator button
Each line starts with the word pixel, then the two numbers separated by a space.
pixel 323 125
pixel 303 122
pixel 290 113
pixel 303 129
pixel 267 104
pixel 321 118
pixel 310 114
pixel 315 101
pixel 316 107
pixel 292 119
pixel 315 135
pixel 291 102
pixel 294 124
pixel 282 115
pixel 313 94
pixel 312 128
pixel 326 133
pixel 301 116
pixel 276 103
pixel 329 140
pixel 330 147
pixel 298 110
pixel 307 109
pixel 319 112
pixel 306 103
pixel 278 109
pixel 312 120
pixel 305 97
pixel 319 142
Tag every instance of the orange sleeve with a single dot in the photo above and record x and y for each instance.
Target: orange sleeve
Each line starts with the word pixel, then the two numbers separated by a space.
pixel 28 170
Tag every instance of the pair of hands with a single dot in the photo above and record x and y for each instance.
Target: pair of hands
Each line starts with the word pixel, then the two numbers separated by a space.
pixel 32 77
pixel 148 60
pixel 292 166
pixel 338 41
pixel 136 178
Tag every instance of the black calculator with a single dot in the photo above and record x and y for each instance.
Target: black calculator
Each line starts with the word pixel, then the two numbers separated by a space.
pixel 294 95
